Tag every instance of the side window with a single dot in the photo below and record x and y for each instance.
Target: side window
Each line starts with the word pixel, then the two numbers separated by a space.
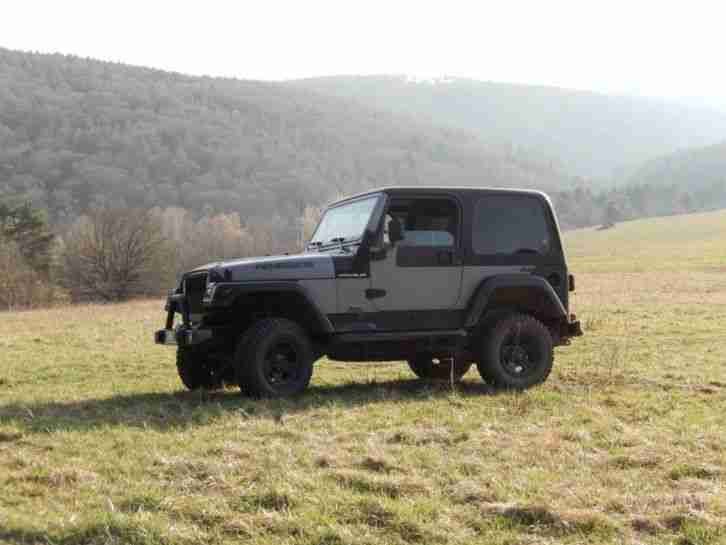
pixel 424 222
pixel 510 225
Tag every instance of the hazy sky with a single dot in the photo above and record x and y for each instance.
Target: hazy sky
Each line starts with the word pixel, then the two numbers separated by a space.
pixel 656 48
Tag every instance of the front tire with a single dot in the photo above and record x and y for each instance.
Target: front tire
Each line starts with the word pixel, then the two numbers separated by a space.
pixel 274 358
pixel 196 370
pixel 517 353
pixel 428 368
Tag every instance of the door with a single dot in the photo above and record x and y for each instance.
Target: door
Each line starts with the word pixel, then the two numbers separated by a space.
pixel 423 270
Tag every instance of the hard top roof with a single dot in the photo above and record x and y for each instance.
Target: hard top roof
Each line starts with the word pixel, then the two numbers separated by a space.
pixel 443 190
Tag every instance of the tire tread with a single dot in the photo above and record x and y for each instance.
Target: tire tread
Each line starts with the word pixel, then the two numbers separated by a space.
pixel 489 363
pixel 249 380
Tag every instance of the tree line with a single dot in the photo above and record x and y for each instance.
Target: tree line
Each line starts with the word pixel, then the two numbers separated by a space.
pixel 112 254
pixel 115 253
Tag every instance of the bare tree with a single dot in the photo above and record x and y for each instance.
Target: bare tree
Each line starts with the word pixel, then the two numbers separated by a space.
pixel 196 242
pixel 113 254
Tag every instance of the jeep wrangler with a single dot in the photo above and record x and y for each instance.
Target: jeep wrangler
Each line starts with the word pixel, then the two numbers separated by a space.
pixel 442 278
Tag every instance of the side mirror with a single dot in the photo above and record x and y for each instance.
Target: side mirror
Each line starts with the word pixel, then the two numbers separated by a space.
pixel 395 231
pixel 362 257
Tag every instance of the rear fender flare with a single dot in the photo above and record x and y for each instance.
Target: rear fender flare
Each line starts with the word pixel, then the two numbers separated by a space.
pixel 487 290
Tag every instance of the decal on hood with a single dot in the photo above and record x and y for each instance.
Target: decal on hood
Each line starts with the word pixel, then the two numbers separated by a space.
pixel 286 265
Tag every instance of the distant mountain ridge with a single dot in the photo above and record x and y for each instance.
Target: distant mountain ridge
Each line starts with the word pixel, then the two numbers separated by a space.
pixel 592 135
pixel 76 131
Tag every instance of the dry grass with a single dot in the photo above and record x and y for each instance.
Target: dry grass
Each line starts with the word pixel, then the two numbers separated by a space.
pixel 626 443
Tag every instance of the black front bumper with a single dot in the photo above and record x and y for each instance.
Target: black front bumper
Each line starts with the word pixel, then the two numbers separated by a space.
pixel 184 334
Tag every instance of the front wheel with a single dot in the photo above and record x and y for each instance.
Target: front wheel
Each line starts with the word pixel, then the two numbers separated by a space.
pixel 196 370
pixel 274 359
pixel 426 367
pixel 516 353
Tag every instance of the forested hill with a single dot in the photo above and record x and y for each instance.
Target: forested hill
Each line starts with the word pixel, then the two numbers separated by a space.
pixel 701 170
pixel 593 135
pixel 75 131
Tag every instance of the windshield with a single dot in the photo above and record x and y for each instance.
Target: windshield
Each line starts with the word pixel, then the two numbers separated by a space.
pixel 347 221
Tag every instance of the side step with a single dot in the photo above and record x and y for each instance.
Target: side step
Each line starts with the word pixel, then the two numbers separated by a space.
pixel 367 337
pixel 394 345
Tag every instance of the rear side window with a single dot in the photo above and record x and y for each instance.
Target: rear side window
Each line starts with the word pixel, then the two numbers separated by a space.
pixel 510 225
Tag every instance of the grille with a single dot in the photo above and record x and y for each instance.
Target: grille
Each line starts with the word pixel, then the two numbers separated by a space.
pixel 194 287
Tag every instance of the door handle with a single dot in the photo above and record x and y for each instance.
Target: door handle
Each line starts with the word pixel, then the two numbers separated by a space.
pixel 372 293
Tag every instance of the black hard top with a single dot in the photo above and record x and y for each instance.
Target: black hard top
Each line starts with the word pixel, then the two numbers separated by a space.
pixel 444 190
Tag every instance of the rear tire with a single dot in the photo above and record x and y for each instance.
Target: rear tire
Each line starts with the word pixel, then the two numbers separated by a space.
pixel 196 370
pixel 274 358
pixel 517 353
pixel 426 367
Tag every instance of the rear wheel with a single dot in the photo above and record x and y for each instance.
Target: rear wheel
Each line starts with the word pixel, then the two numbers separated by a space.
pixel 516 353
pixel 196 370
pixel 426 367
pixel 274 358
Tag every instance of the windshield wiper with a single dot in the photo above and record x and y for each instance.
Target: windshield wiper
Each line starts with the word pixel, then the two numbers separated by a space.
pixel 339 241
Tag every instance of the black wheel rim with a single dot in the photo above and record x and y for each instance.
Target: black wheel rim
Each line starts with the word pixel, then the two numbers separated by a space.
pixel 282 365
pixel 520 354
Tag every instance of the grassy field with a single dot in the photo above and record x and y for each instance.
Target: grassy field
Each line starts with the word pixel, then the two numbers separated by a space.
pixel 626 443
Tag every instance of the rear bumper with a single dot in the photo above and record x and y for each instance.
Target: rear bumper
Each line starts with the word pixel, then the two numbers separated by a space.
pixel 574 329
pixel 568 328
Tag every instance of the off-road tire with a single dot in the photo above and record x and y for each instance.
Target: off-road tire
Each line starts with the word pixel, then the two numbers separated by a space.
pixel 516 353
pixel 274 358
pixel 424 366
pixel 195 371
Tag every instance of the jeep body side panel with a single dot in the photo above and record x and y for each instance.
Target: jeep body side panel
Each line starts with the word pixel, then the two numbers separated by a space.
pixel 322 294
pixel 352 296
pixel 414 288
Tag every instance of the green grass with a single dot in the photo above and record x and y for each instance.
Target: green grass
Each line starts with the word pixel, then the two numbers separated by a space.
pixel 692 242
pixel 626 443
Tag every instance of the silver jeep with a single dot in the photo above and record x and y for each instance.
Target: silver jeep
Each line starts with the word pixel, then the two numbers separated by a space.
pixel 442 278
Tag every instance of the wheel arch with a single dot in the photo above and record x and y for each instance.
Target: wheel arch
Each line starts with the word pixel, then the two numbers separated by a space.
pixel 519 292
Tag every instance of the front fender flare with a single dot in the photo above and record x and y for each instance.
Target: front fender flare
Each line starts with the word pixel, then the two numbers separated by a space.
pixel 225 294
pixel 488 288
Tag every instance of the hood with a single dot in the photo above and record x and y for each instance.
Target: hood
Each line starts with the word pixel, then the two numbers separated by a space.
pixel 280 267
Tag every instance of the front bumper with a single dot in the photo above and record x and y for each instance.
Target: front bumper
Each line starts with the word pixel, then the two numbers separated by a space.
pixel 182 336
